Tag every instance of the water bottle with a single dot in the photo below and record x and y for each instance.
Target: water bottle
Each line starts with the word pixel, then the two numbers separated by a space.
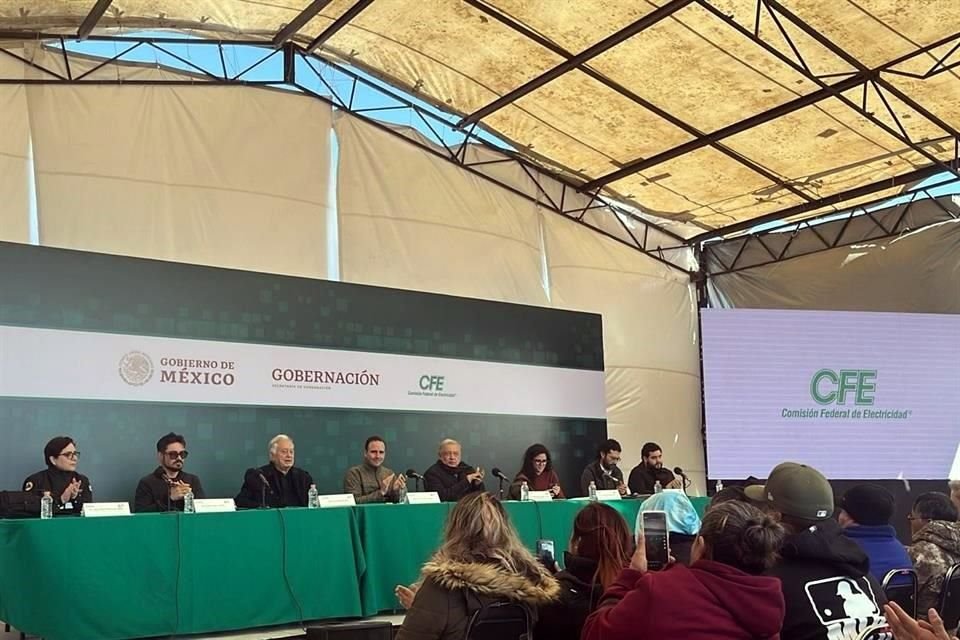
pixel 593 491
pixel 657 487
pixel 524 492
pixel 313 501
pixel 402 495
pixel 46 506
pixel 719 486
pixel 188 502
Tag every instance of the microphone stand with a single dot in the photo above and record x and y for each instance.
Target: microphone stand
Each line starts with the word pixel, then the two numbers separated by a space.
pixel 500 480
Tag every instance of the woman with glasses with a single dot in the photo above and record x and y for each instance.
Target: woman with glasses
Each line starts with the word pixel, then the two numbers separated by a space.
pixel 537 472
pixel 69 489
pixel 165 488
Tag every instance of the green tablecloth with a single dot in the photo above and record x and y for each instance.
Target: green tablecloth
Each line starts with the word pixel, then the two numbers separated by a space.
pixel 162 574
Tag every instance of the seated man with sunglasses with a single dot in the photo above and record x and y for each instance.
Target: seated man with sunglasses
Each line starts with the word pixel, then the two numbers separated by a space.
pixel 163 490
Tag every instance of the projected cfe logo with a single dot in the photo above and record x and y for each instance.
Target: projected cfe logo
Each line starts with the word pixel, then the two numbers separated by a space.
pixel 839 387
pixel 845 394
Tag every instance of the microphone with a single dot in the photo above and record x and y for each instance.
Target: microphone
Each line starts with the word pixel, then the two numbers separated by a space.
pixel 263 488
pixel 412 473
pixel 502 478
pixel 683 476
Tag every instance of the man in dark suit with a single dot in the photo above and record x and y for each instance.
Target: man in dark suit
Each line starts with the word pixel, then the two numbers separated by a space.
pixel 164 489
pixel 278 484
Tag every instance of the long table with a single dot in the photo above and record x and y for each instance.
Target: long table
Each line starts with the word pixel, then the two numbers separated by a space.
pixel 175 574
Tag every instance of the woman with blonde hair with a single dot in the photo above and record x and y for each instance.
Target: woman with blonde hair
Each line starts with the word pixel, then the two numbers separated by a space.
pixel 480 561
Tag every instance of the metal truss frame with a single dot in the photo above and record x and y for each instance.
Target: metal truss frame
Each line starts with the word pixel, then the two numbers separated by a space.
pixel 877 225
pixel 468 128
pixel 640 234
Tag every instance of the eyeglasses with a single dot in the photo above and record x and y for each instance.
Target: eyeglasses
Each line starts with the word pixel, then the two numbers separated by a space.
pixel 173 455
pixel 73 455
pixel 539 461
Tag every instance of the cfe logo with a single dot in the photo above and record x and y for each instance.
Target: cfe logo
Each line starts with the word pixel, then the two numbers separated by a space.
pixel 836 387
pixel 431 383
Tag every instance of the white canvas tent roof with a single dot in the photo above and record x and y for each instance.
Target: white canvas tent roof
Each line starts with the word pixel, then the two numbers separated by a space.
pixel 722 113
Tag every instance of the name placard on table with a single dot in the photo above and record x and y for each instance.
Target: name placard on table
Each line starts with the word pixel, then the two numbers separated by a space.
pixel 423 497
pixel 540 496
pixel 337 500
pixel 608 494
pixel 105 509
pixel 214 505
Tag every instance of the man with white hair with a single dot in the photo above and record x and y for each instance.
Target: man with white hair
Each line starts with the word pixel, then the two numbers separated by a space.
pixel 277 484
pixel 451 477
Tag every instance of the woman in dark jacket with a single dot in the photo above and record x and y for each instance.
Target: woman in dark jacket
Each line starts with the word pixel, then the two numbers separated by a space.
pixel 599 548
pixel 481 561
pixel 70 490
pixel 722 595
pixel 537 472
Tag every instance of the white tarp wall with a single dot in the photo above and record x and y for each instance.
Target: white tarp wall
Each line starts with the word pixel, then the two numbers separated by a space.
pixel 918 272
pixel 650 337
pixel 220 176
pixel 409 219
pixel 14 164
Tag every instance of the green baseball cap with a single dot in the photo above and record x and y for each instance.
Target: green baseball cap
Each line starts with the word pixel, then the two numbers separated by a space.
pixel 796 490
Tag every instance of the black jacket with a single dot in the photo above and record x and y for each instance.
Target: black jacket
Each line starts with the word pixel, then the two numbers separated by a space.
pixel 579 595
pixel 451 484
pixel 55 481
pixel 595 473
pixel 827 586
pixel 642 480
pixel 251 492
pixel 153 492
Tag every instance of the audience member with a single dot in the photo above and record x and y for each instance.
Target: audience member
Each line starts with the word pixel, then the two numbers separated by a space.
pixel 906 628
pixel 825 576
pixel 537 471
pixel 603 471
pixel 935 545
pixel 599 549
pixel 683 523
pixel 480 561
pixel 955 493
pixel 644 476
pixel 721 596
pixel 728 494
pixel 865 513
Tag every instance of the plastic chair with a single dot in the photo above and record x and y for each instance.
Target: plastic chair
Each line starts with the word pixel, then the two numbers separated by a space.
pixel 900 586
pixel 949 607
